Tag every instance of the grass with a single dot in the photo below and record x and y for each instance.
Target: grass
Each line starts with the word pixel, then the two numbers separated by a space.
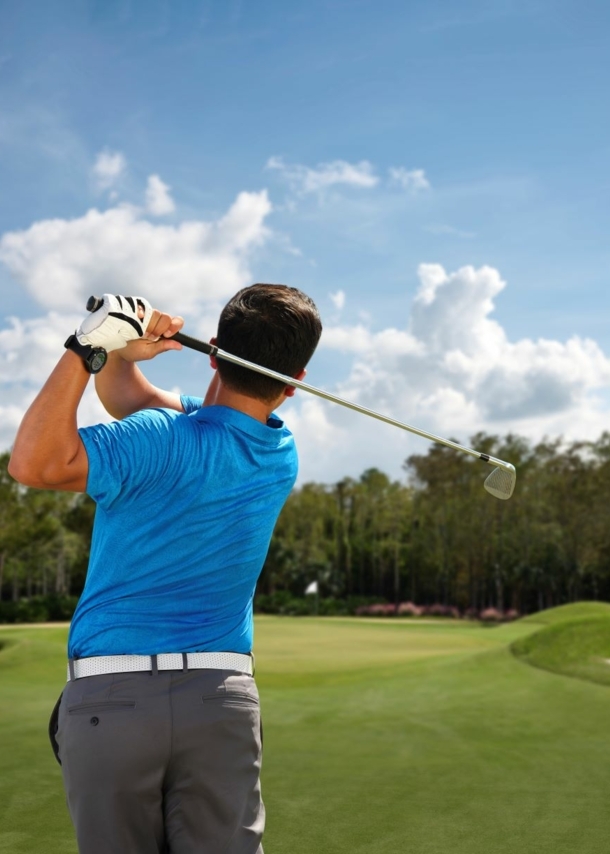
pixel 568 612
pixel 579 648
pixel 33 816
pixel 380 737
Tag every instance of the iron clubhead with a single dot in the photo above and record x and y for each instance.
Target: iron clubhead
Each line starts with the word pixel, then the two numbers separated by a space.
pixel 501 482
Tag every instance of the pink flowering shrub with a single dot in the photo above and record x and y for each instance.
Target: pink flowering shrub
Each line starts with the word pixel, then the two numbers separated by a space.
pixel 409 609
pixel 377 610
pixel 438 610
pixel 491 615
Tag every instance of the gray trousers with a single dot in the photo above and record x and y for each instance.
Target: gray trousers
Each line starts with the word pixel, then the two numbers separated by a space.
pixel 166 762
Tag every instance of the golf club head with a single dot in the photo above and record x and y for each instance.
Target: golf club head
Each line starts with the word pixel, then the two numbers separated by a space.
pixel 501 482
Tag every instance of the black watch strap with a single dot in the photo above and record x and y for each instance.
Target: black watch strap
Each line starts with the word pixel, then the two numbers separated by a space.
pixel 94 358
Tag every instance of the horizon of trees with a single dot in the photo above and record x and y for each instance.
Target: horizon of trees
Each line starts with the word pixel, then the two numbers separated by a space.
pixel 437 537
pixel 440 537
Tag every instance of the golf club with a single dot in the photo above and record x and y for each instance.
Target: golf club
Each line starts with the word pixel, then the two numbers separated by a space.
pixel 500 483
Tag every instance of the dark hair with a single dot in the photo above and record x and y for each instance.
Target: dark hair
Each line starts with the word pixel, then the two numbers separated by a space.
pixel 272 325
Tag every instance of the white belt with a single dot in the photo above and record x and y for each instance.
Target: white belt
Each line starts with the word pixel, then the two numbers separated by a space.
pixel 100 664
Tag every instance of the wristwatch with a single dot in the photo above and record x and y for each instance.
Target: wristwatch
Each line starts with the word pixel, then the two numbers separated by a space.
pixel 94 358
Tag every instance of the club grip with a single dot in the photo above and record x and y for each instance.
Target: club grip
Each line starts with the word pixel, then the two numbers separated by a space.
pixel 194 343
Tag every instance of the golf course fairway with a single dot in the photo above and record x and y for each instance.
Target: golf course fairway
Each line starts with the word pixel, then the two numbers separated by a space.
pixel 431 737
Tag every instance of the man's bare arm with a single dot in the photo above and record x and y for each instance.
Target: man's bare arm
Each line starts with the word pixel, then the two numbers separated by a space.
pixel 122 387
pixel 48 452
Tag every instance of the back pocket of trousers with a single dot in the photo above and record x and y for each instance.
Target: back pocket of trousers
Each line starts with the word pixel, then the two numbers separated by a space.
pixel 104 706
pixel 236 699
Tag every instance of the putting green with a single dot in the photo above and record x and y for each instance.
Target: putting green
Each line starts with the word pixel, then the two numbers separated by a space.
pixel 380 736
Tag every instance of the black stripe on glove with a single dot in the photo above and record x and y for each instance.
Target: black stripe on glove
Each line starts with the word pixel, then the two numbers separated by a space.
pixel 136 325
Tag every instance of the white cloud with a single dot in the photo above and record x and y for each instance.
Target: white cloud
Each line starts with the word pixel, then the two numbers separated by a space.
pixel 414 179
pixel 29 349
pixel 108 168
pixel 61 262
pixel 359 339
pixel 453 371
pixel 304 179
pixel 158 199
pixel 15 401
pixel 319 435
pixel 189 269
pixel 338 299
pixel 453 343
pixel 10 419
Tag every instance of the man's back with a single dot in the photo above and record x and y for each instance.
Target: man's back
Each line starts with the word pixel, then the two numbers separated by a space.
pixel 186 505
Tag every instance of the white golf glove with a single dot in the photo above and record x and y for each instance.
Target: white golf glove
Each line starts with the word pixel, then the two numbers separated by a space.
pixel 115 322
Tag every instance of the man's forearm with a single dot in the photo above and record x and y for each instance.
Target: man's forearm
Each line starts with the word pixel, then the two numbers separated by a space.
pixel 123 389
pixel 48 451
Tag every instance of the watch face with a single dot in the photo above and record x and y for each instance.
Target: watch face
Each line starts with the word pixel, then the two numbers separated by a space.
pixel 97 361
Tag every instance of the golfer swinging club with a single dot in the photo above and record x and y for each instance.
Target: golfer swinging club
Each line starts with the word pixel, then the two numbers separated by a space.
pixel 158 728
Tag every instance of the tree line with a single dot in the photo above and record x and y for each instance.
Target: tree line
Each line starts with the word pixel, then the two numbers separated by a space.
pixel 435 537
pixel 439 537
pixel 44 549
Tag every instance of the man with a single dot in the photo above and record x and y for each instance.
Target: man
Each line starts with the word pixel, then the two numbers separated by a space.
pixel 158 728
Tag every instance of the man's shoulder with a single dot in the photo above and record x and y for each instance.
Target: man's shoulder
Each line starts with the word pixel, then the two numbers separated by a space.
pixel 137 426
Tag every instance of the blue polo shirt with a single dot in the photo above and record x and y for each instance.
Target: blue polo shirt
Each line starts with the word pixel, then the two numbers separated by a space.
pixel 186 505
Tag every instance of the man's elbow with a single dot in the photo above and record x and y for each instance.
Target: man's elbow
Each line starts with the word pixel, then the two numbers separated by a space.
pixel 28 472
pixel 49 473
pixel 23 472
pixel 15 467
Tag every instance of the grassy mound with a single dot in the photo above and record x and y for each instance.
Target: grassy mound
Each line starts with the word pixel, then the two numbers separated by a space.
pixel 569 612
pixel 578 647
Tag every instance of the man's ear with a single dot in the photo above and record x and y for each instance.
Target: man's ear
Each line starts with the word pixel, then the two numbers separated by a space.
pixel 213 362
pixel 290 389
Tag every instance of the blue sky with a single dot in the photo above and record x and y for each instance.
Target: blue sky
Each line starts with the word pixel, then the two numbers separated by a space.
pixel 366 139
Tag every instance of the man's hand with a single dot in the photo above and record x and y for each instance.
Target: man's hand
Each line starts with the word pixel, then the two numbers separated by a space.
pixel 156 339
pixel 121 386
pixel 115 321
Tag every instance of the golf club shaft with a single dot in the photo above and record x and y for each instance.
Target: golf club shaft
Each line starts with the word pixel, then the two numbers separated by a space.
pixel 211 350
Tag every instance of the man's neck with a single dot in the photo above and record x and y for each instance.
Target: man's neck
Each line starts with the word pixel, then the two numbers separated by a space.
pixel 222 396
